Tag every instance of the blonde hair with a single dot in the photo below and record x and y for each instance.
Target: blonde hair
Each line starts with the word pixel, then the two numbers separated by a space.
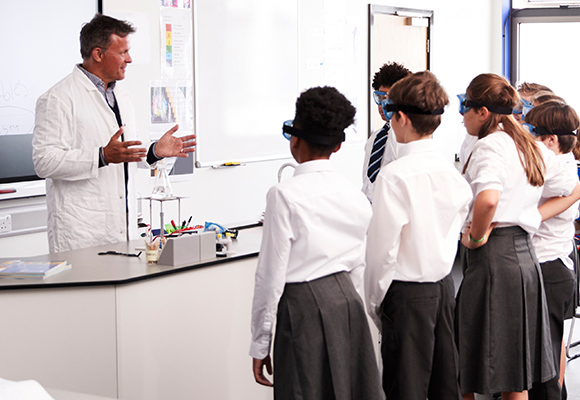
pixel 495 90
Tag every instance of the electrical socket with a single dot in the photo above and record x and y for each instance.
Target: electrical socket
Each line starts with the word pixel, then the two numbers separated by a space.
pixel 5 223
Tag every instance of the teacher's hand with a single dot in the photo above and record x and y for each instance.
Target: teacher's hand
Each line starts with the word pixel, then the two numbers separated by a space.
pixel 171 146
pixel 117 151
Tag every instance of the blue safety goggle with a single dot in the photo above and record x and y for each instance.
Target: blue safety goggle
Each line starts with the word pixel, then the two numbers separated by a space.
pixel 540 131
pixel 523 103
pixel 466 104
pixel 323 137
pixel 389 109
pixel 462 104
pixel 379 96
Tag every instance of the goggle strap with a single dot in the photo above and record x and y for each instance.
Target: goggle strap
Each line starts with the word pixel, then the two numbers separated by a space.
pixel 315 138
pixel 491 107
pixel 412 109
pixel 540 131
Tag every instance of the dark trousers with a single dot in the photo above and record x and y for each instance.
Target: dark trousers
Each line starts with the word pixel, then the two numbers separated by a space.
pixel 418 348
pixel 559 284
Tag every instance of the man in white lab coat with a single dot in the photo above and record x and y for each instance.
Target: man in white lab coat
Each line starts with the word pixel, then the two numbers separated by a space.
pixel 86 145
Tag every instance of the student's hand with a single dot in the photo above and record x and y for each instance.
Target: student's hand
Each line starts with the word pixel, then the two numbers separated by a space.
pixel 171 146
pixel 258 369
pixel 117 151
pixel 470 244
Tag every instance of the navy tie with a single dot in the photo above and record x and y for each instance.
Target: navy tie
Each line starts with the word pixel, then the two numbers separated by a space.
pixel 377 153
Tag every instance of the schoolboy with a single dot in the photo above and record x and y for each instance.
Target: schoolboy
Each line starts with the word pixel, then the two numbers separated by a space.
pixel 381 147
pixel 311 261
pixel 420 204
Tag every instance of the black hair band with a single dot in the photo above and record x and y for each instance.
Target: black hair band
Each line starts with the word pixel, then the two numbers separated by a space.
pixel 324 139
pixel 412 109
pixel 493 108
pixel 540 131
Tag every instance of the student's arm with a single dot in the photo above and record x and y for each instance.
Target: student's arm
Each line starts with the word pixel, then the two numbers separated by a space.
pixel 556 205
pixel 270 279
pixel 390 215
pixel 484 207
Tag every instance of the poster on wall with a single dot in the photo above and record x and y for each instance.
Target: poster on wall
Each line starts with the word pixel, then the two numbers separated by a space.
pixel 176 3
pixel 171 103
pixel 176 43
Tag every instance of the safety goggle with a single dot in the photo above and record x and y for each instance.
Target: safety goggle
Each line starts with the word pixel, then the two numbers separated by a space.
pixel 389 109
pixel 379 96
pixel 323 137
pixel 463 103
pixel 520 107
pixel 466 104
pixel 540 131
pixel 526 109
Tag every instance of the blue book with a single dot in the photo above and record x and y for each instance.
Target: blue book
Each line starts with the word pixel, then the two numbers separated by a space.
pixel 32 269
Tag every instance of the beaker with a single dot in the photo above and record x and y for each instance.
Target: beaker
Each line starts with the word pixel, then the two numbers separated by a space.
pixel 162 188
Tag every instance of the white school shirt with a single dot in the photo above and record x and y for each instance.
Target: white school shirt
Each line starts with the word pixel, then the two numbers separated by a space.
pixel 420 204
pixel 554 238
pixel 466 149
pixel 495 165
pixel 391 149
pixel 315 225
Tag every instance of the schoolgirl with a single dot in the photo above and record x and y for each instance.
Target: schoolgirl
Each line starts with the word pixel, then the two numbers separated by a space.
pixel 310 267
pixel 502 320
pixel 555 124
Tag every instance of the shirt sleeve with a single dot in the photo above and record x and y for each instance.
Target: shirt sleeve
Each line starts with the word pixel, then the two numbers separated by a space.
pixel 558 181
pixel 271 271
pixel 487 168
pixel 390 215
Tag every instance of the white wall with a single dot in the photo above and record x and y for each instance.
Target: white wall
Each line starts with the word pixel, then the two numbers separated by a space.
pixel 466 41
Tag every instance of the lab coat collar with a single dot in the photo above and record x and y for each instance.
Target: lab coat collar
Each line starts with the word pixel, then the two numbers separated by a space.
pixel 313 166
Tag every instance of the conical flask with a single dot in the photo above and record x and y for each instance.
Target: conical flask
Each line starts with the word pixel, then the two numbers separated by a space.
pixel 162 188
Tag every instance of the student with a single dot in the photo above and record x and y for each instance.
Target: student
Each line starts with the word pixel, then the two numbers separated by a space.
pixel 555 124
pixel 421 201
pixel 379 149
pixel 528 92
pixel 501 348
pixel 310 266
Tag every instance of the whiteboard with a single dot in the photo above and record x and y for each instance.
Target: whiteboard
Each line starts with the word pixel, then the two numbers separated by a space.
pixel 40 46
pixel 245 78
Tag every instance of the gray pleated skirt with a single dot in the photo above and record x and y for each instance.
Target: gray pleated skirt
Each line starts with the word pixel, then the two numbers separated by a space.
pixel 503 331
pixel 322 346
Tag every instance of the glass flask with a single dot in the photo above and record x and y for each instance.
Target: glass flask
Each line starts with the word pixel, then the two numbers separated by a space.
pixel 162 188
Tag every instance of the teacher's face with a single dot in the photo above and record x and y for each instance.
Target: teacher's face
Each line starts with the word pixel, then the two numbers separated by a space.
pixel 115 59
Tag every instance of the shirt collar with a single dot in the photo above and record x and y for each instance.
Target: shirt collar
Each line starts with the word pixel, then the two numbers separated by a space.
pixel 417 146
pixel 313 166
pixel 107 92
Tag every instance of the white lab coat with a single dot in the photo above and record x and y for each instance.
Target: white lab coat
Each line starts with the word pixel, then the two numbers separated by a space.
pixel 86 204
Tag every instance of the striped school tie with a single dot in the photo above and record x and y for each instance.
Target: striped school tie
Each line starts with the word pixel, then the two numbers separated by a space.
pixel 377 153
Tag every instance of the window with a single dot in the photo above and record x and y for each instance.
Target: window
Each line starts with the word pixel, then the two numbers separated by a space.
pixel 544 43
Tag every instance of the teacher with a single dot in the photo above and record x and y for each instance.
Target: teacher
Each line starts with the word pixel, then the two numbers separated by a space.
pixel 86 145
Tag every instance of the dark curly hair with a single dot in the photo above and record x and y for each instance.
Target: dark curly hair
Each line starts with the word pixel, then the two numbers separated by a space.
pixel 97 33
pixel 324 111
pixel 388 74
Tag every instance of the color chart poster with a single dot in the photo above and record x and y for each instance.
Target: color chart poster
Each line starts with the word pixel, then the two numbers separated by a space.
pixel 176 43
